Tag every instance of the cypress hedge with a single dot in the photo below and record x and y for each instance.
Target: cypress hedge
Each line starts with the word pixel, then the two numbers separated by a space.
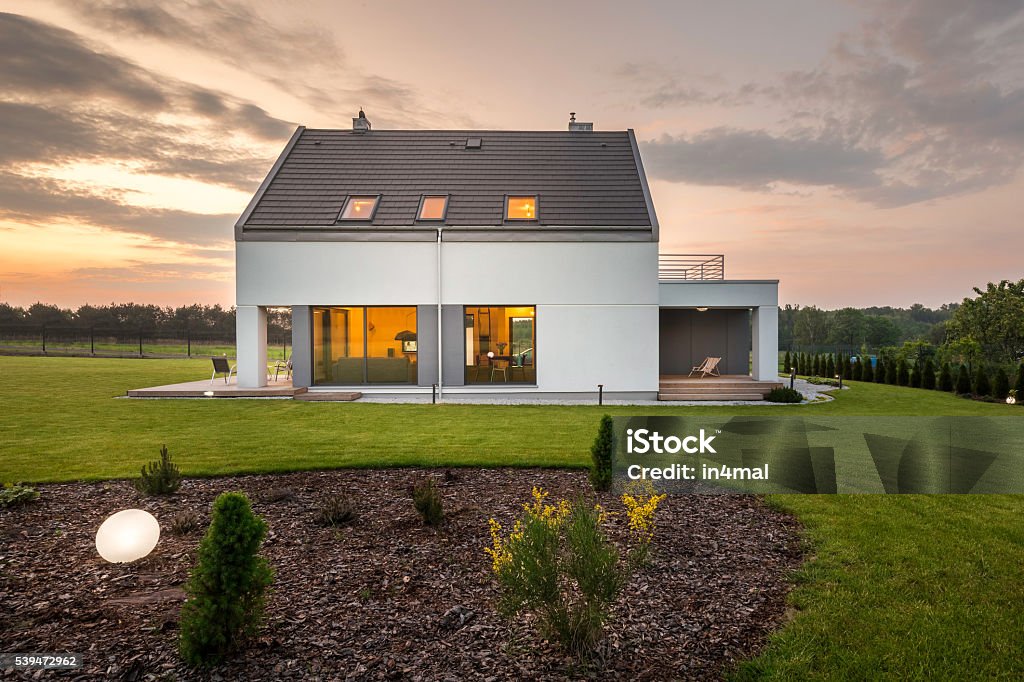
pixel 963 381
pixel 1018 387
pixel 1001 386
pixel 868 373
pixel 830 366
pixel 880 371
pixel 982 386
pixel 786 362
pixel 928 372
pixel 946 378
pixel 890 373
pixel 857 373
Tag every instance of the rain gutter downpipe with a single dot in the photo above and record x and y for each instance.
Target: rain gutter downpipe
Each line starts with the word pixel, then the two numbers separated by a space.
pixel 440 355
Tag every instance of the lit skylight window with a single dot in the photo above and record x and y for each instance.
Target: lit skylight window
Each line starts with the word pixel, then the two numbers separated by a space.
pixel 521 208
pixel 359 208
pixel 433 207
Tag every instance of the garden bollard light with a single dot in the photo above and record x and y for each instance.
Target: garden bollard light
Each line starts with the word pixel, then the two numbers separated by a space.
pixel 600 394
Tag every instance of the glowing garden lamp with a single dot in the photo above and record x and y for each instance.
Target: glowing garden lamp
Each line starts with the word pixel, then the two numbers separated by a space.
pixel 1010 400
pixel 126 536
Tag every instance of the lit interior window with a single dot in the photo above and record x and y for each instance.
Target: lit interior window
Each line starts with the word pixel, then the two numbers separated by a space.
pixel 359 208
pixel 522 208
pixel 433 208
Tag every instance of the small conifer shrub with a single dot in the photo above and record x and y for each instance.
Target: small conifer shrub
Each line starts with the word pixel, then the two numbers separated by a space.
pixel 228 586
pixel 946 378
pixel 160 477
pixel 928 375
pixel 963 381
pixel 427 500
pixel 601 454
pixel 783 395
pixel 1018 386
pixel 982 386
pixel 1001 386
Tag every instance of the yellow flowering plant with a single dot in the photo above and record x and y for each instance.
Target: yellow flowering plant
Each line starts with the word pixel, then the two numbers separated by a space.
pixel 641 502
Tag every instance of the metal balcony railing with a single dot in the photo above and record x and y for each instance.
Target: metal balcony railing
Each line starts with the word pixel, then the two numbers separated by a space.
pixel 687 266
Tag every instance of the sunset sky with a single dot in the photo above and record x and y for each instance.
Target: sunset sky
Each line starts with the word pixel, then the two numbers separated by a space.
pixel 864 153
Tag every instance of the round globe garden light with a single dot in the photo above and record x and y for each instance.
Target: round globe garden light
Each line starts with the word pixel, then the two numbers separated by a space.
pixel 126 536
pixel 1010 400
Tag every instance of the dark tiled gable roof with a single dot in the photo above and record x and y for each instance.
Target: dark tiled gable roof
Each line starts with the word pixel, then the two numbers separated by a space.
pixel 583 179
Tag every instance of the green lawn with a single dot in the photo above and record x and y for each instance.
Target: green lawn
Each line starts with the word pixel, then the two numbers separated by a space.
pixel 925 587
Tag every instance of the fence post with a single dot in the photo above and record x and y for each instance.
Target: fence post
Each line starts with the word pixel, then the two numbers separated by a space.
pixel 188 341
pixel 92 340
pixel 44 338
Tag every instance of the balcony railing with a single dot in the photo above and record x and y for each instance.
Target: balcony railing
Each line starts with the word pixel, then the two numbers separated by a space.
pixel 686 266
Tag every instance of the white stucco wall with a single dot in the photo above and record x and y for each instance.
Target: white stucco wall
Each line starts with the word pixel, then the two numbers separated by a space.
pixel 405 273
pixel 727 293
pixel 597 302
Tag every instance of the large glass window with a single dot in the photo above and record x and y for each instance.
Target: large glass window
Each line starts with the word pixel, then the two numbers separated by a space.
pixel 501 344
pixel 364 345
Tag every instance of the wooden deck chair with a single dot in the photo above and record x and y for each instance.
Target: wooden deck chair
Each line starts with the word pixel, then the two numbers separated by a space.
pixel 220 366
pixel 707 368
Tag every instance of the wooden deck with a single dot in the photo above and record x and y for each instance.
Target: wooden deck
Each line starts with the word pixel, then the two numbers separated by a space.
pixel 218 389
pixel 725 387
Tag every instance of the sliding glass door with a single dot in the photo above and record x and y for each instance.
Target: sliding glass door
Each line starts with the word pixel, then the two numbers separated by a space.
pixel 364 345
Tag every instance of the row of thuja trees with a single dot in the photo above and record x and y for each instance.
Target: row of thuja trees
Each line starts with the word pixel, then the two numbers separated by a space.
pixel 981 383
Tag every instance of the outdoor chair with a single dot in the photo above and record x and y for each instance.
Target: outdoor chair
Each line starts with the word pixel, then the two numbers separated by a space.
pixel 220 366
pixel 280 366
pixel 707 368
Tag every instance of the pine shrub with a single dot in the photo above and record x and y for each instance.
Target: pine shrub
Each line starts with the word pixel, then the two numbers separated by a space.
pixel 601 454
pixel 880 371
pixel 818 368
pixel 1018 387
pixel 845 368
pixel 963 381
pixel 160 477
pixel 946 378
pixel 982 385
pixel 902 373
pixel 427 500
pixel 830 367
pixel 868 372
pixel 336 510
pixel 783 395
pixel 890 373
pixel 916 376
pixel 228 586
pixel 1001 386
pixel 928 375
pixel 786 362
pixel 857 373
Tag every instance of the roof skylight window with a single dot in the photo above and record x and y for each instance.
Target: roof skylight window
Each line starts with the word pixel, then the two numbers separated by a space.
pixel 521 208
pixel 359 207
pixel 433 207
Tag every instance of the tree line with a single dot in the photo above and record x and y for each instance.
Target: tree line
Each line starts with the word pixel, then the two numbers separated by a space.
pixel 212 320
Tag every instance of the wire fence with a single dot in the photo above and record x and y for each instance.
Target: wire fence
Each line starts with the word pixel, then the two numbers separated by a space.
pixel 119 343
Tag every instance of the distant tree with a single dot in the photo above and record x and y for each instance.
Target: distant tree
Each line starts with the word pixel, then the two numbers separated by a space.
pixel 830 366
pixel 963 381
pixel 928 375
pixel 946 378
pixel 890 373
pixel 868 374
pixel 995 319
pixel 1001 386
pixel 40 313
pixel 810 326
pixel 982 385
pixel 902 373
pixel 1018 386
pixel 847 327
pixel 880 331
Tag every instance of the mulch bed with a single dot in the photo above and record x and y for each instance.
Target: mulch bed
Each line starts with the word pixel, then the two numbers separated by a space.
pixel 387 598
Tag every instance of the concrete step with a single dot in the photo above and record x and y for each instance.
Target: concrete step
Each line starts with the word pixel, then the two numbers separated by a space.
pixel 329 396
pixel 747 395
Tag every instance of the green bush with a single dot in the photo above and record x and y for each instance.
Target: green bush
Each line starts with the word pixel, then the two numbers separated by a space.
pixel 982 386
pixel 427 500
pixel 830 367
pixel 559 564
pixel 160 477
pixel 963 381
pixel 880 371
pixel 783 395
pixel 601 454
pixel 928 375
pixel 1001 386
pixel 867 372
pixel 891 372
pixel 1018 387
pixel 902 373
pixel 336 510
pixel 16 495
pixel 786 362
pixel 946 378
pixel 857 372
pixel 227 588
pixel 917 375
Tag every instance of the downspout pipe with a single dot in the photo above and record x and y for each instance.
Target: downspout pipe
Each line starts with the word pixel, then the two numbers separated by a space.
pixel 440 354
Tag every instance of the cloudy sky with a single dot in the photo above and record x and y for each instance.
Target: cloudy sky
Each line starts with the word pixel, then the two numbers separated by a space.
pixel 862 152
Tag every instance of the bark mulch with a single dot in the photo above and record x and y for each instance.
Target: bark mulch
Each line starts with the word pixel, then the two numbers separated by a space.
pixel 387 598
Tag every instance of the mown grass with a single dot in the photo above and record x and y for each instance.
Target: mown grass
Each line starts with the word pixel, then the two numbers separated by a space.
pixel 59 421
pixel 914 586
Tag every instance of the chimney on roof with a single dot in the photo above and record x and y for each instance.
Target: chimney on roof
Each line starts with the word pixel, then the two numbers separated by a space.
pixel 361 124
pixel 578 127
